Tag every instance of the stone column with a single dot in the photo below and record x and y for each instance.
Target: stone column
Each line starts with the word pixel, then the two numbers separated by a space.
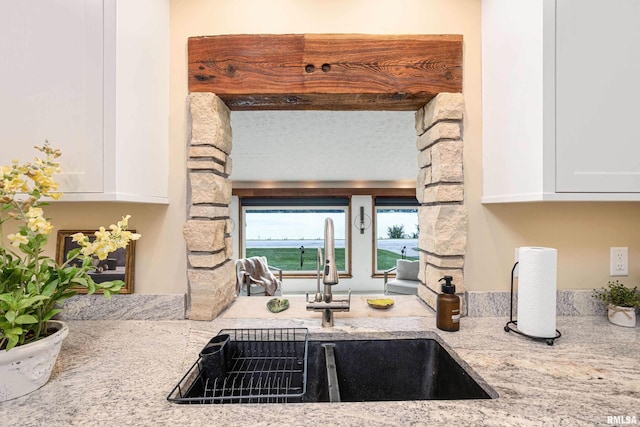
pixel 442 215
pixel 211 271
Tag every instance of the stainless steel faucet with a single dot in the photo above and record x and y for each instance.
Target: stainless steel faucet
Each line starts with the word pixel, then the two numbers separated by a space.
pixel 330 273
pixel 324 301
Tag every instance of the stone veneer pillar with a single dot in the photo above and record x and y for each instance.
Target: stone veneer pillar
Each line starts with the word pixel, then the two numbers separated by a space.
pixel 442 215
pixel 440 192
pixel 211 271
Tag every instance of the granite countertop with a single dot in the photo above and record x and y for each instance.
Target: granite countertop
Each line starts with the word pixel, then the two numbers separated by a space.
pixel 113 373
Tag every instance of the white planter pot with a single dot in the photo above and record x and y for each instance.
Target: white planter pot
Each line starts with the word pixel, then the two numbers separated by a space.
pixel 26 368
pixel 622 316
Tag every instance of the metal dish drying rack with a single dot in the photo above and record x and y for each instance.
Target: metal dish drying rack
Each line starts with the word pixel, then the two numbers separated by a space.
pixel 248 366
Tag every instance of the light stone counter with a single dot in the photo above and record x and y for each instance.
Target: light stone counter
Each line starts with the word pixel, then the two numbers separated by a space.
pixel 114 373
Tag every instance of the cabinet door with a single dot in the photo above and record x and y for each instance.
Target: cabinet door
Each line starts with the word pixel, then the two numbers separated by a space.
pixel 597 95
pixel 51 86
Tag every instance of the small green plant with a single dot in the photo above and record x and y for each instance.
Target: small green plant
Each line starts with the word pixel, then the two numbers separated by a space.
pixel 31 283
pixel 619 295
pixel 395 232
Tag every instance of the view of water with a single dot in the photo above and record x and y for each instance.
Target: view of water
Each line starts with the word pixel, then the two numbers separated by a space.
pixel 264 225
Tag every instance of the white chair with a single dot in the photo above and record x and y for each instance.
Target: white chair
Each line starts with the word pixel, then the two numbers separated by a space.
pixel 254 277
pixel 406 280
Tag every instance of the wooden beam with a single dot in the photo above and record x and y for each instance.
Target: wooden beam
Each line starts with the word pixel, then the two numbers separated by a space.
pixel 325 71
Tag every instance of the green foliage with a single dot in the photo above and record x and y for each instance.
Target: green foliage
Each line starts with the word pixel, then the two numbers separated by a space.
pixel 395 232
pixel 32 284
pixel 288 259
pixel 30 292
pixel 618 294
pixel 387 259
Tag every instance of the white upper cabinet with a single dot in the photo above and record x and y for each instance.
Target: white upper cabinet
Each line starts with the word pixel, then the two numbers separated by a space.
pixel 92 78
pixel 560 94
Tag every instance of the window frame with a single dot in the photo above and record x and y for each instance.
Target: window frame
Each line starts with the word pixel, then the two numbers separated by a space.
pixel 388 203
pixel 296 204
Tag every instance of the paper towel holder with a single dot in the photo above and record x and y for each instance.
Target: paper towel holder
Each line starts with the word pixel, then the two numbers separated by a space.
pixel 512 325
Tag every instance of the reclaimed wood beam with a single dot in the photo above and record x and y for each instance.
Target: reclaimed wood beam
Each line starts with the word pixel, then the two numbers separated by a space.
pixel 325 71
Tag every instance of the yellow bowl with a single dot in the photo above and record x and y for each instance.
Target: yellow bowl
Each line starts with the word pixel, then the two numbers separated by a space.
pixel 381 303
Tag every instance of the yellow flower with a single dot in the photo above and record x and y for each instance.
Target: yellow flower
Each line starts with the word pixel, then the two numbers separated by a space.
pixel 134 236
pixel 102 252
pixel 87 249
pixel 35 212
pixel 78 237
pixel 36 222
pixel 111 246
pixel 14 184
pixel 102 233
pixel 39 225
pixel 21 187
pixel 43 181
pixel 17 239
pixel 125 222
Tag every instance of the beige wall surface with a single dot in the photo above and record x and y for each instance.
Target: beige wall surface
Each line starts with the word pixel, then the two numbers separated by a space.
pixel 205 17
pixel 582 232
pixel 160 262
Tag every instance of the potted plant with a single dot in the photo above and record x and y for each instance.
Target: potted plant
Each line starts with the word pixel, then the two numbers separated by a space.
pixel 33 284
pixel 621 303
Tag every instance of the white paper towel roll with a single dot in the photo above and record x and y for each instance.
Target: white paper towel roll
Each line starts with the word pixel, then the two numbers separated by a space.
pixel 537 286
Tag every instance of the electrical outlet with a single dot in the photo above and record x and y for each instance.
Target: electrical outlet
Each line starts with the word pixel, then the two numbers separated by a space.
pixel 619 261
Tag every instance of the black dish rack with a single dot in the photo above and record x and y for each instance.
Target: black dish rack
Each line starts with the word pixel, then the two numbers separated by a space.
pixel 248 366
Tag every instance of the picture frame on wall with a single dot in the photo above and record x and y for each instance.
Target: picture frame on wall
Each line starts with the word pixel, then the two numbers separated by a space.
pixel 119 265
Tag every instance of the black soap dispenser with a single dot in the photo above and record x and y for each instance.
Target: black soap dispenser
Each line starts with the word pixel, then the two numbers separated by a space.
pixel 448 307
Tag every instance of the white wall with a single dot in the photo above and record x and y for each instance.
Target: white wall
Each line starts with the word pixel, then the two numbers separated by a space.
pixel 324 145
pixel 362 251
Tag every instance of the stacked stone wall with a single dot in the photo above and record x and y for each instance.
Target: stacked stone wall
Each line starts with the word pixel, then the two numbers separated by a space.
pixel 207 232
pixel 440 192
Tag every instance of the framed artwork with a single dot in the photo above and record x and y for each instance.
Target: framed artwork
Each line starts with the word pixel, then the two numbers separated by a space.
pixel 118 266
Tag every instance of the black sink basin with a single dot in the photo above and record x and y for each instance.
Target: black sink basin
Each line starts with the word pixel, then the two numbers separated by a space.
pixel 285 366
pixel 390 369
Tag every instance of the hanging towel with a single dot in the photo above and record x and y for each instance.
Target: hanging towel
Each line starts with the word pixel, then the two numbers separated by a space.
pixel 259 274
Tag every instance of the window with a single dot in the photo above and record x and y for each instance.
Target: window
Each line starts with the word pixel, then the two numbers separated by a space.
pixel 396 228
pixel 288 231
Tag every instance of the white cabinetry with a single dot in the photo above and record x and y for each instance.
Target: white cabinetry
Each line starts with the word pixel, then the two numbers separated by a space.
pixel 90 76
pixel 560 91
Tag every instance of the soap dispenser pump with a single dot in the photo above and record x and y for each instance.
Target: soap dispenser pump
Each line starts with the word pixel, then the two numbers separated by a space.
pixel 448 307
